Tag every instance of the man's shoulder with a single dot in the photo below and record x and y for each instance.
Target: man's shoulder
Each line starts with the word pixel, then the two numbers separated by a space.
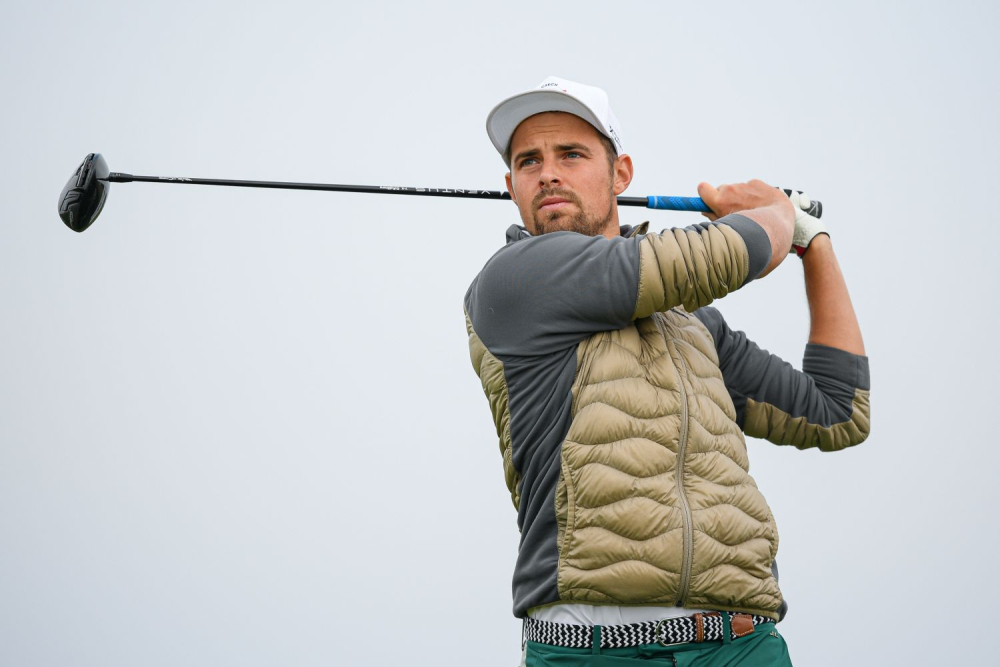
pixel 710 317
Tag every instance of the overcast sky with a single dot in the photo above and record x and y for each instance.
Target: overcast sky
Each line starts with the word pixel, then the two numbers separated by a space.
pixel 240 427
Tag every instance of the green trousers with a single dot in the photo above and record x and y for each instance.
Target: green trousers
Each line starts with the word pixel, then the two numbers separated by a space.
pixel 764 647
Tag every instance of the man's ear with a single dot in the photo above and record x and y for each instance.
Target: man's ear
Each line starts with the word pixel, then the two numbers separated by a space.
pixel 622 173
pixel 510 187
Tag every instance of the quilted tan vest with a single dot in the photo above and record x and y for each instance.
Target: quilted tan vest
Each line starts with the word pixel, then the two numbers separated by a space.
pixel 654 503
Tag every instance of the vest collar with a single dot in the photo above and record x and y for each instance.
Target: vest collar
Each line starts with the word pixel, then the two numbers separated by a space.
pixel 518 232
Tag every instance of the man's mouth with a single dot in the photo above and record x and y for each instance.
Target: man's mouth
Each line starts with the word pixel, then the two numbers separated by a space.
pixel 553 203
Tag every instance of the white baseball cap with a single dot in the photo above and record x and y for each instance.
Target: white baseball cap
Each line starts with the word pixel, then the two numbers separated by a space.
pixel 553 94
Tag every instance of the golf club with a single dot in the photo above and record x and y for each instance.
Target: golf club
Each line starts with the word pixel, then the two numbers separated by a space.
pixel 86 192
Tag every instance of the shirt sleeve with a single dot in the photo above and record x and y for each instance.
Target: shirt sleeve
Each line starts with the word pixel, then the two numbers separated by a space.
pixel 543 293
pixel 825 405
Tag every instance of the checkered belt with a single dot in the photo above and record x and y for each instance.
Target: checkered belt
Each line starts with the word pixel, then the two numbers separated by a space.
pixel 697 628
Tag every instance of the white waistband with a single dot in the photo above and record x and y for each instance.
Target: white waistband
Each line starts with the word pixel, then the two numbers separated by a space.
pixel 593 614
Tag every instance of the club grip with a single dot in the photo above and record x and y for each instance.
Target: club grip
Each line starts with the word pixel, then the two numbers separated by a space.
pixel 697 204
pixel 677 204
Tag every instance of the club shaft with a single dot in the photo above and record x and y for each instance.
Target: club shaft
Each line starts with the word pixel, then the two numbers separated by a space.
pixel 118 177
pixel 657 202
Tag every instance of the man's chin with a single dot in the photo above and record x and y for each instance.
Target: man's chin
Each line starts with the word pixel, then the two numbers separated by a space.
pixel 558 225
pixel 561 222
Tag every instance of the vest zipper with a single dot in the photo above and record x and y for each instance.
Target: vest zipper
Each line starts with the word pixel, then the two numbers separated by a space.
pixel 688 521
pixel 681 451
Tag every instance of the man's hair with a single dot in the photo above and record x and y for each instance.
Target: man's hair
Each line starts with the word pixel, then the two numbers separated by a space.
pixel 609 150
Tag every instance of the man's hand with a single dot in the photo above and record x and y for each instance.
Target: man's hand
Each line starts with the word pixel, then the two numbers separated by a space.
pixel 765 205
pixel 807 227
pixel 740 197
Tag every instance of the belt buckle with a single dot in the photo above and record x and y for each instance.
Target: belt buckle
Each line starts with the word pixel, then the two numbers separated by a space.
pixel 656 634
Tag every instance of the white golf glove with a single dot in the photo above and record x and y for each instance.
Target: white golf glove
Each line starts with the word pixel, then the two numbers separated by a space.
pixel 806 226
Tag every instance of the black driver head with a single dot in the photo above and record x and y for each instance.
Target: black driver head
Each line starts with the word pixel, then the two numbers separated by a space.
pixel 83 197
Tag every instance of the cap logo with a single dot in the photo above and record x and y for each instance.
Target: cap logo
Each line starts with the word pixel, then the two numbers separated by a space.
pixel 614 135
pixel 549 85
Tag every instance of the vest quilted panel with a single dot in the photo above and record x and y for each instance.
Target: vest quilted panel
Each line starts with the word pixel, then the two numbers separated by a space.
pixel 647 399
pixel 490 371
pixel 713 268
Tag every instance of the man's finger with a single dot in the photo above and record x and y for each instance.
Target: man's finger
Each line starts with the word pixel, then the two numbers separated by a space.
pixel 710 196
pixel 800 200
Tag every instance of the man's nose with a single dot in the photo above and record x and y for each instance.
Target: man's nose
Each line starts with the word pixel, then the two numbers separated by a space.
pixel 549 174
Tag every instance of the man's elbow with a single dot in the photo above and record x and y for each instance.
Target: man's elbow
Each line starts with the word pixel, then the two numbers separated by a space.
pixel 861 416
pixel 855 430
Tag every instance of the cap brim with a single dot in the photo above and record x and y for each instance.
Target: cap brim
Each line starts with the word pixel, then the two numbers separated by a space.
pixel 506 116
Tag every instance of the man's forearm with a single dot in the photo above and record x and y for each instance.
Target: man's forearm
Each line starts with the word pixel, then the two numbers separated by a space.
pixel 766 206
pixel 832 319
pixel 773 220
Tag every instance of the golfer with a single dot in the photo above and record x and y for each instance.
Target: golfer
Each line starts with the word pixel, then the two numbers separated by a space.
pixel 621 399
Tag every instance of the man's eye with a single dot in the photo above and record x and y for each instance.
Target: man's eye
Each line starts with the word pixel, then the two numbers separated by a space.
pixel 574 154
pixel 526 162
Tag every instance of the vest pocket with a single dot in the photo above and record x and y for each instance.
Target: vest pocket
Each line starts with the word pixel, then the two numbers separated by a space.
pixel 772 534
pixel 565 508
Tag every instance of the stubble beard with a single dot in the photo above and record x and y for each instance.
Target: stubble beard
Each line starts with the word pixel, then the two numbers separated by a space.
pixel 580 221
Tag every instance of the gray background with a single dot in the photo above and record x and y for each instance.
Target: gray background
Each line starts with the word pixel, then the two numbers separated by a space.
pixel 240 427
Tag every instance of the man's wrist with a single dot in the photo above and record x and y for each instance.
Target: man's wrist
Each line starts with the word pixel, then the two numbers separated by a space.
pixel 820 242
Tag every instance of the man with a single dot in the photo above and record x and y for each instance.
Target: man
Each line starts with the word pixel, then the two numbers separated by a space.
pixel 621 399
